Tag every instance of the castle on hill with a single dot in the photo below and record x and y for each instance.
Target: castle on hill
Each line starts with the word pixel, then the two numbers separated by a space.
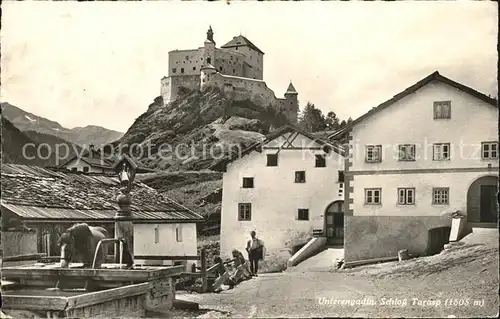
pixel 237 68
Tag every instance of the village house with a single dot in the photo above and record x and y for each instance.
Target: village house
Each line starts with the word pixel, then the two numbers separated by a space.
pixel 429 151
pixel 48 202
pixel 286 188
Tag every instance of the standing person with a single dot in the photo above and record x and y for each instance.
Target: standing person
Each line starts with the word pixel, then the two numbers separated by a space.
pixel 255 248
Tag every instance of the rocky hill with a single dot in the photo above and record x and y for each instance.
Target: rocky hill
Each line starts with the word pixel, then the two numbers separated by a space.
pixel 190 132
pixel 26 121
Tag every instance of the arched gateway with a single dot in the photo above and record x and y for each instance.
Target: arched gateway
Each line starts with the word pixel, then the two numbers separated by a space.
pixel 482 200
pixel 334 223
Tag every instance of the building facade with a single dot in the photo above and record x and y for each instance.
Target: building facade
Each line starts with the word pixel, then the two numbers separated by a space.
pixel 429 151
pixel 285 188
pixel 237 68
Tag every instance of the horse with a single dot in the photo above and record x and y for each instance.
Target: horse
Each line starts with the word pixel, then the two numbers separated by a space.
pixel 81 240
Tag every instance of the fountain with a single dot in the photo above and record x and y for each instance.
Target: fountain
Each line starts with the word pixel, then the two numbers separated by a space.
pixel 109 291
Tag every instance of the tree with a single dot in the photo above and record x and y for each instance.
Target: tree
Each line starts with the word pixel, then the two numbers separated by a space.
pixel 312 119
pixel 332 121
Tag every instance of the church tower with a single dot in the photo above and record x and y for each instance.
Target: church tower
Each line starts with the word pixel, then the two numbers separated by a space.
pixel 291 108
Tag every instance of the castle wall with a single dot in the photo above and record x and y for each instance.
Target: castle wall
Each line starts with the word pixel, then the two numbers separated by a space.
pixel 244 88
pixel 170 85
pixel 185 62
pixel 229 62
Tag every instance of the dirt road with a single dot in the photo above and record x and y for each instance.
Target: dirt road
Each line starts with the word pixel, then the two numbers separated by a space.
pixel 459 283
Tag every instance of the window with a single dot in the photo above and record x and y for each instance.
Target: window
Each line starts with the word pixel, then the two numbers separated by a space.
pixel 86 169
pixel 157 234
pixel 320 161
pixel 406 196
pixel 341 177
pixel 440 196
pixel 247 182
pixel 194 68
pixel 374 153
pixel 174 70
pixel 178 233
pixel 244 211
pixel 182 70
pixel 187 58
pixel 489 150
pixel 220 69
pixel 272 159
pixel 74 169
pixel 442 110
pixel 407 152
pixel 373 196
pixel 209 60
pixel 234 71
pixel 300 177
pixel 441 152
pixel 303 214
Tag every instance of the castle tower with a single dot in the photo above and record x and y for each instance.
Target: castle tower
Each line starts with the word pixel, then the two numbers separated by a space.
pixel 209 52
pixel 291 108
pixel 207 72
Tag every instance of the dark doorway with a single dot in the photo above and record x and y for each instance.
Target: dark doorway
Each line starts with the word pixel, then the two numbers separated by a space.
pixel 334 223
pixel 487 204
pixel 482 202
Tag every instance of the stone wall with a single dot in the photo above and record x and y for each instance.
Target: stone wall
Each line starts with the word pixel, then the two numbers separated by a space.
pixel 228 62
pixel 369 237
pixel 185 62
pixel 170 86
pixel 19 243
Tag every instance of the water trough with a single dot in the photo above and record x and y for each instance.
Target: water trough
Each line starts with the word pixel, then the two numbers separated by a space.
pixel 110 291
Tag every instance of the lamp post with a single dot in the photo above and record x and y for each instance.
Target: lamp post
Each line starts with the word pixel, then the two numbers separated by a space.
pixel 124 227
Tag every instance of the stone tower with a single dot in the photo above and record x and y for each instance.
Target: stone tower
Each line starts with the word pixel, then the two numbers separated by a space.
pixel 291 108
pixel 207 72
pixel 209 52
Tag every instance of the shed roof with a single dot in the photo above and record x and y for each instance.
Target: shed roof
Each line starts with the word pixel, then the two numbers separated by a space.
pixel 42 194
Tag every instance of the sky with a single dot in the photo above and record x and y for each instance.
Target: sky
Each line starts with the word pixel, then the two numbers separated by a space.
pixel 100 63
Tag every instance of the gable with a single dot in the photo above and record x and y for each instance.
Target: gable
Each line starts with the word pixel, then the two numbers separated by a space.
pixel 292 140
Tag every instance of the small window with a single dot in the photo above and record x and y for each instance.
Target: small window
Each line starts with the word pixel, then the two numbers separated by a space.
pixel 407 152
pixel 247 182
pixel 320 161
pixel 373 196
pixel 441 152
pixel 374 153
pixel 440 196
pixel 187 58
pixel 157 234
pixel 74 169
pixel 303 214
pixel 406 196
pixel 442 110
pixel 209 60
pixel 220 68
pixel 194 68
pixel 178 233
pixel 272 159
pixel 489 150
pixel 174 70
pixel 341 177
pixel 244 211
pixel 300 177
pixel 86 169
pixel 234 71
pixel 182 70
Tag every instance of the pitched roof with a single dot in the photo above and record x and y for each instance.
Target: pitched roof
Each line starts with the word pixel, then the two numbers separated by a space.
pixel 222 164
pixel 240 41
pixel 291 89
pixel 37 193
pixel 412 89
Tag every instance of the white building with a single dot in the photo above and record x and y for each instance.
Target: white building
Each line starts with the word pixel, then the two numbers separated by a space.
pixel 90 161
pixel 432 148
pixel 284 188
